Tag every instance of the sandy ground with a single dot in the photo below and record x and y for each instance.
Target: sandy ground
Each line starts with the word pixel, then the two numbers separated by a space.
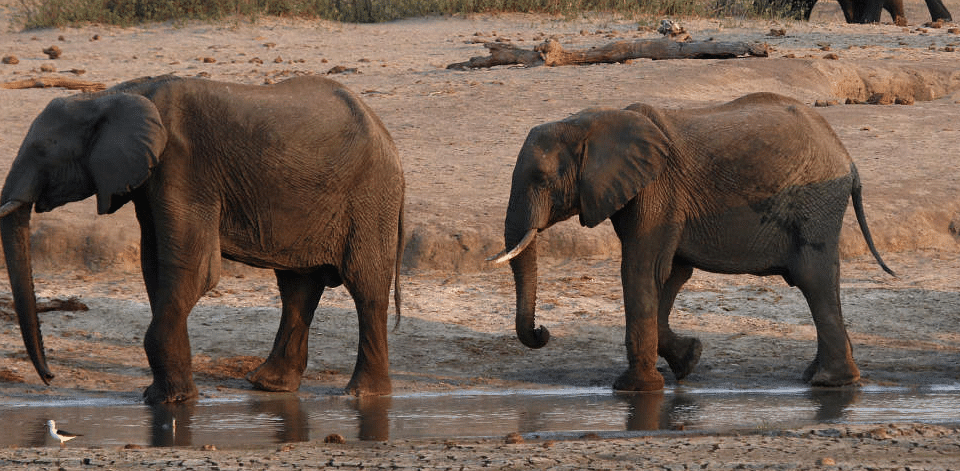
pixel 458 133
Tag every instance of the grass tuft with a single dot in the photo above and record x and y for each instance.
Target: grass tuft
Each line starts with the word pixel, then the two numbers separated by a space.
pixel 60 13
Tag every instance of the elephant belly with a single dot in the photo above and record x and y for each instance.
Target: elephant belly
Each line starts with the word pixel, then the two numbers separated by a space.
pixel 763 236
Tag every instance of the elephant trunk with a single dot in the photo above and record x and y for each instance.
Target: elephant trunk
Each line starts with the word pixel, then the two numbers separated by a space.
pixel 15 232
pixel 521 251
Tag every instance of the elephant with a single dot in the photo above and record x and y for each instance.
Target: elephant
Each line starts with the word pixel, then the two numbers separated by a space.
pixel 300 177
pixel 757 186
pixel 858 11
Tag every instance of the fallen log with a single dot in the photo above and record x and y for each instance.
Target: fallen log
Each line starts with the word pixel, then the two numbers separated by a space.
pixel 551 53
pixel 61 82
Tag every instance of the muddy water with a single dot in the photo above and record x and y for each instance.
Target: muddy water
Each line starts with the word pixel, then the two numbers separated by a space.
pixel 261 419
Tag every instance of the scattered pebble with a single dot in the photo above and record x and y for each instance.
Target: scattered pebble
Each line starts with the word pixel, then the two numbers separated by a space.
pixel 53 52
pixel 11 60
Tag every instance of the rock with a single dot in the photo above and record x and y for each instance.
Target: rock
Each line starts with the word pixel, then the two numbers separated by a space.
pixel 513 438
pixel 11 60
pixel 53 52
pixel 335 438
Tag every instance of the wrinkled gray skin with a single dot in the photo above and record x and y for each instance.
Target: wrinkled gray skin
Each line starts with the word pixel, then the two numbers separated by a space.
pixel 299 177
pixel 758 185
pixel 858 11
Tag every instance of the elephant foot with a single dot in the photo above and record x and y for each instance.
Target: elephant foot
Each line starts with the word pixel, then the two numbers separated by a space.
pixel 630 381
pixel 683 356
pixel 267 377
pixel 155 394
pixel 369 385
pixel 817 375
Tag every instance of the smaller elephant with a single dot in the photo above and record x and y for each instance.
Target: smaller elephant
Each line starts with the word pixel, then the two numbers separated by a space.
pixel 756 186
pixel 299 177
pixel 856 11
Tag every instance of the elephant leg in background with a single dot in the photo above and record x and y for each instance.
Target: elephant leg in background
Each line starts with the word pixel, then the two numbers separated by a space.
pixel 282 370
pixel 817 274
pixel 938 11
pixel 681 353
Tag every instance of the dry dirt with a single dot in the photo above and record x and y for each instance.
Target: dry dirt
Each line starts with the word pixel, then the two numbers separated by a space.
pixel 458 133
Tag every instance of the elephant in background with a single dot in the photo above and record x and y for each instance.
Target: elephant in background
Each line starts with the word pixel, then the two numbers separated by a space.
pixel 300 177
pixel 856 11
pixel 757 186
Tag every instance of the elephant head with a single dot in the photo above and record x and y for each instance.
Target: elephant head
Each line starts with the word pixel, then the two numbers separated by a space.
pixel 78 146
pixel 591 164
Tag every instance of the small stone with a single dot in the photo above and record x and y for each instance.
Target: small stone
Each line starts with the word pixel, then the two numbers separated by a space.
pixel 209 60
pixel 832 56
pixel 11 60
pixel 208 448
pixel 95 37
pixel 47 68
pixel 776 32
pixel 513 438
pixel 335 438
pixel 53 52
pixel 826 462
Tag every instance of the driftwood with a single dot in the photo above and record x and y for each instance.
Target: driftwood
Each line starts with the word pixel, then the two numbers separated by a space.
pixel 48 82
pixel 551 53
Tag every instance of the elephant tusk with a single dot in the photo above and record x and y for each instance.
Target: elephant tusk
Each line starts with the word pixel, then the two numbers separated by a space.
pixel 9 207
pixel 506 256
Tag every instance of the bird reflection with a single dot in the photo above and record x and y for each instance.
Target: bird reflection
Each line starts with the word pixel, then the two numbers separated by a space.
pixel 170 424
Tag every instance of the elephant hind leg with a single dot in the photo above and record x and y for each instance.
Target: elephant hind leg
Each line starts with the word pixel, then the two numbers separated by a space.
pixel 681 353
pixel 283 369
pixel 817 275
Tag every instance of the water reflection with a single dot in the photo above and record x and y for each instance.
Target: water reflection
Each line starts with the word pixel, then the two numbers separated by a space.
pixel 280 418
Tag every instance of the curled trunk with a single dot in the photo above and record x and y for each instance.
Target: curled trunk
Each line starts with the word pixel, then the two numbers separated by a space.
pixel 15 231
pixel 524 267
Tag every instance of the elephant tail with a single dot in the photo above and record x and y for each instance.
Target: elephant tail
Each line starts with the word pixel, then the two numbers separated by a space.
pixel 857 193
pixel 396 270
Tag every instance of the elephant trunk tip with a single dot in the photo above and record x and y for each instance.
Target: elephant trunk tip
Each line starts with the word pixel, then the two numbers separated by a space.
pixel 536 338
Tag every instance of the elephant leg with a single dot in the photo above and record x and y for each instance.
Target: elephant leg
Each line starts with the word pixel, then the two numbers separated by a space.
pixel 284 367
pixel 641 289
pixel 817 275
pixel 370 289
pixel 681 353
pixel 850 10
pixel 174 284
pixel 870 12
pixel 938 11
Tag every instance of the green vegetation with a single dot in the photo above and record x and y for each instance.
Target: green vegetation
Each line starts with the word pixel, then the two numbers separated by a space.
pixel 56 13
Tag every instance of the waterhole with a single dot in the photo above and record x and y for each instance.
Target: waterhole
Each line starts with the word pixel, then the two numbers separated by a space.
pixel 263 419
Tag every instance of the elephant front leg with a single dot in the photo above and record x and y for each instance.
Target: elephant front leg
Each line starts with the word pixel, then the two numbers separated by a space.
pixel 168 352
pixel 640 298
pixel 681 353
pixel 283 369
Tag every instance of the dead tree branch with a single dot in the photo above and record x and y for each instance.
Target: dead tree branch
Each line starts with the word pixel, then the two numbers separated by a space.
pixel 47 82
pixel 551 53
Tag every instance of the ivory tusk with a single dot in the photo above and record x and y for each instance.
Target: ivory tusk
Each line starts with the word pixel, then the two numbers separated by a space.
pixel 506 256
pixel 9 207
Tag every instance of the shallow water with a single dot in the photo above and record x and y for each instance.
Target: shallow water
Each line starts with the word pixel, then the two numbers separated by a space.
pixel 263 419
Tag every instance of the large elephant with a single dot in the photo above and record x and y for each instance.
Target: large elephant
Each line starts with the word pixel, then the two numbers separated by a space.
pixel 300 177
pixel 758 185
pixel 857 11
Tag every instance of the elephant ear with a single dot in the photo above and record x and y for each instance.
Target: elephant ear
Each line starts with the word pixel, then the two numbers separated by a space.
pixel 623 152
pixel 126 145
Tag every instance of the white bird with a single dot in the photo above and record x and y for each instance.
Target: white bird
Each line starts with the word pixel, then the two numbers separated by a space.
pixel 61 435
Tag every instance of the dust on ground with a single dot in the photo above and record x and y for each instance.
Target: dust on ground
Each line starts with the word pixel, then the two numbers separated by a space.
pixel 458 133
